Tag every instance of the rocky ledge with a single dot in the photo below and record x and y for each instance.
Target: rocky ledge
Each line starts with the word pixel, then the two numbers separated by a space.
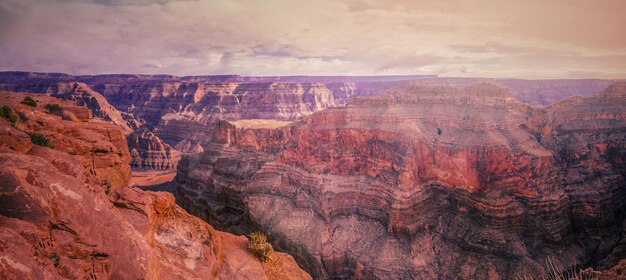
pixel 429 183
pixel 66 211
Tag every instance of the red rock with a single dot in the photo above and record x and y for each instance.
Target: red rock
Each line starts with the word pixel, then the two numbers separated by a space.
pixel 59 220
pixel 433 183
pixel 149 152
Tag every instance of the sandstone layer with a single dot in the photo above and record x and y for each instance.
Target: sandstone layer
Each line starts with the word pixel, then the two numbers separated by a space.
pixel 150 152
pixel 66 212
pixel 429 183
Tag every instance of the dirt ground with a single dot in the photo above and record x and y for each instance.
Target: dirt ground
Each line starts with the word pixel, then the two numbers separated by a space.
pixel 151 178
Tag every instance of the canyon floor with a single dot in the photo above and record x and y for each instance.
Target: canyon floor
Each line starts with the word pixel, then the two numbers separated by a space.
pixel 151 178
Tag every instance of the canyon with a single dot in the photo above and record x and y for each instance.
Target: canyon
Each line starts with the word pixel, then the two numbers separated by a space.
pixel 164 116
pixel 381 177
pixel 67 212
pixel 429 183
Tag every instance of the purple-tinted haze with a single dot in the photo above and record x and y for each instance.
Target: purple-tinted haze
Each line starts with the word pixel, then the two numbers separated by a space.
pixel 530 39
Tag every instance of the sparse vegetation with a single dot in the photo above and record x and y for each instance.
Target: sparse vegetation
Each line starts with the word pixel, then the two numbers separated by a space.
pixel 53 109
pixel 22 116
pixel 40 139
pixel 100 151
pixel 7 113
pixel 106 185
pixel 55 259
pixel 16 118
pixel 29 101
pixel 258 246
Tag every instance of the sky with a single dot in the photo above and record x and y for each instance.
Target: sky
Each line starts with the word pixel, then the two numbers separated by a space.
pixel 494 38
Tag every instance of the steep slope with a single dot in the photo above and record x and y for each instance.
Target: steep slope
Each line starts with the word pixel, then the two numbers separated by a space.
pixel 183 113
pixel 83 95
pixel 67 213
pixel 149 151
pixel 433 183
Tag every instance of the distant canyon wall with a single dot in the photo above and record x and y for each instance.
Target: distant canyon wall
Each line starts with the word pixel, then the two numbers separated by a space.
pixel 164 115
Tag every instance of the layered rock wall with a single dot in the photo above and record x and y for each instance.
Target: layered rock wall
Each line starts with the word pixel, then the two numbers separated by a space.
pixel 432 183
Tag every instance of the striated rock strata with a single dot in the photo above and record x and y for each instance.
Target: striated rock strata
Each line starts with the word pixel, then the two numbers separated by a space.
pixel 182 110
pixel 431 183
pixel 67 213
pixel 149 151
pixel 183 113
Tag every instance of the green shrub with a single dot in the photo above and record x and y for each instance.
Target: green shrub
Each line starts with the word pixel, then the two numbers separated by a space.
pixel 40 139
pixel 29 101
pixel 99 151
pixel 7 113
pixel 22 116
pixel 55 259
pixel 53 109
pixel 258 246
pixel 106 185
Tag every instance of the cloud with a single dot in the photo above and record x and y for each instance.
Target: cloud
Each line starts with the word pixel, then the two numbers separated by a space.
pixel 126 2
pixel 193 37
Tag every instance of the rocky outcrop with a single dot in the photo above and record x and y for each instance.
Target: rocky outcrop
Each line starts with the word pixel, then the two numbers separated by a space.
pixel 149 152
pixel 430 183
pixel 66 212
pixel 99 106
pixel 144 155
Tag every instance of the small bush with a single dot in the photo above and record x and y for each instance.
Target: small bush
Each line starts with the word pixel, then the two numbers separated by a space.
pixel 106 185
pixel 22 116
pixel 53 109
pixel 40 139
pixel 258 246
pixel 99 151
pixel 29 101
pixel 7 113
pixel 55 259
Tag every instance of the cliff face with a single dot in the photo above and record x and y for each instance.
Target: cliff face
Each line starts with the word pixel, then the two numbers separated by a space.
pixel 144 153
pixel 183 113
pixel 149 152
pixel 545 92
pixel 428 184
pixel 67 213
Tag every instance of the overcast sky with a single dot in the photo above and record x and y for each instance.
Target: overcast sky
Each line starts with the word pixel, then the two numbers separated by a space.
pixel 524 39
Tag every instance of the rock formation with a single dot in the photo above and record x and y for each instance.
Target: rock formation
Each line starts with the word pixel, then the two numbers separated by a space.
pixel 144 154
pixel 182 111
pixel 546 92
pixel 66 212
pixel 429 183
pixel 154 153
